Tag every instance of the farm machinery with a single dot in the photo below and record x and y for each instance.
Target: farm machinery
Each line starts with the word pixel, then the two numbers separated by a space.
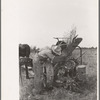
pixel 69 72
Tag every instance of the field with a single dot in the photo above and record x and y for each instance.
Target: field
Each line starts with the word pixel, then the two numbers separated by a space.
pixel 89 89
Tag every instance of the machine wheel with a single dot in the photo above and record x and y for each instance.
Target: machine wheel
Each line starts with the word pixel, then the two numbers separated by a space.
pixel 68 69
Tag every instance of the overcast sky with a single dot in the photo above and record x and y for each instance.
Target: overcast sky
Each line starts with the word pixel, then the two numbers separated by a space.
pixel 36 22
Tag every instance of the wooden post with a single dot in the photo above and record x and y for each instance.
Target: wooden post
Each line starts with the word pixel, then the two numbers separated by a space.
pixel 26 68
pixel 20 75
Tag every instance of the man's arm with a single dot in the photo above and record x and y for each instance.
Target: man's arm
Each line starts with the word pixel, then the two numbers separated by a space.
pixel 59 59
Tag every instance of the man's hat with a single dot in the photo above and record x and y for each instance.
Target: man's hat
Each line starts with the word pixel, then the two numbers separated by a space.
pixel 56 49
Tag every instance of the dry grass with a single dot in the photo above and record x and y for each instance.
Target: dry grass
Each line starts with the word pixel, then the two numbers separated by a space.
pixel 89 88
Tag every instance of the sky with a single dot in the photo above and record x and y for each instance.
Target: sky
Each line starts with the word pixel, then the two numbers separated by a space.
pixel 36 22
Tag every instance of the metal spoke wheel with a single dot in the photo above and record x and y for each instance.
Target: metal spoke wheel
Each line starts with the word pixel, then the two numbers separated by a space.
pixel 66 72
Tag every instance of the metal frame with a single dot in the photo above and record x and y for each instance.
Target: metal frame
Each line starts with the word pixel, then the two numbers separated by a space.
pixel 80 53
pixel 77 46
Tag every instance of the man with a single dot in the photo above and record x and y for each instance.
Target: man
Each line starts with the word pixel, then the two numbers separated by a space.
pixel 46 57
pixel 50 53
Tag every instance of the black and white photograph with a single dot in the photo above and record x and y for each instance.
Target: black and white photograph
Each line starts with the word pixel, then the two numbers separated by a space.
pixel 49 49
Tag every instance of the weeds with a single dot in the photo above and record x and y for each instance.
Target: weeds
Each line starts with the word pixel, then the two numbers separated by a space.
pixel 89 87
